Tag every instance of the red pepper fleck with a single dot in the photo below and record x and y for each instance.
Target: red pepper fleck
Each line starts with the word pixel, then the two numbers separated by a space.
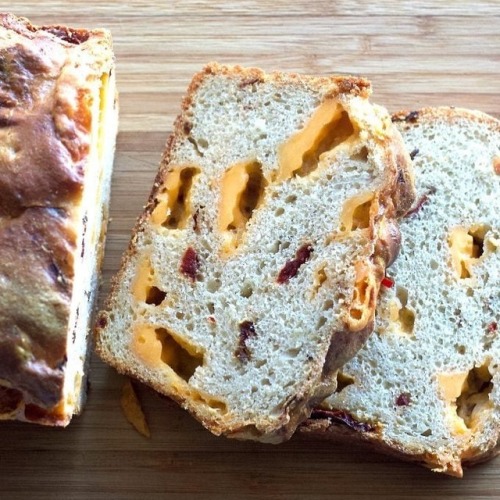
pixel 291 268
pixel 189 263
pixel 492 327
pixel 387 282
pixel 404 399
pixel 344 418
pixel 247 331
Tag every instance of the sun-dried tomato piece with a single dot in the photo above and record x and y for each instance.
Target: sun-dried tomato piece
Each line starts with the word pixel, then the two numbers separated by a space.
pixel 404 399
pixel 190 263
pixel 247 331
pixel 291 268
pixel 420 203
pixel 344 418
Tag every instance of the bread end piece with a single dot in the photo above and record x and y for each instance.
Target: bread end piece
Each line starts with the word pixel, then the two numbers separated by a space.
pixel 59 120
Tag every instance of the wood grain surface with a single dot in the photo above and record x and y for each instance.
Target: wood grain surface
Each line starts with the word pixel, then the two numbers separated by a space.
pixel 417 53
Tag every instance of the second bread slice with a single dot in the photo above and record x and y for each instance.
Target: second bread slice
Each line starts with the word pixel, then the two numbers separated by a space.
pixel 253 273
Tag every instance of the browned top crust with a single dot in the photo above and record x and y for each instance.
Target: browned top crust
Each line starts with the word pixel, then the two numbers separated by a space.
pixel 47 76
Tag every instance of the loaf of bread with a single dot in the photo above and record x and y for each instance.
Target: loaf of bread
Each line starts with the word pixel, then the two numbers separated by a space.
pixel 426 386
pixel 253 272
pixel 58 121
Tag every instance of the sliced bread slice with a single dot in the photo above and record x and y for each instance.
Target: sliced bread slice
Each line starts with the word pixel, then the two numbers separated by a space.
pixel 426 386
pixel 253 273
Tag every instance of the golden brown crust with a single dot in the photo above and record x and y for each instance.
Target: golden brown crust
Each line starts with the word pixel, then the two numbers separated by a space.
pixel 321 427
pixel 446 113
pixel 45 134
pixel 367 435
pixel 37 254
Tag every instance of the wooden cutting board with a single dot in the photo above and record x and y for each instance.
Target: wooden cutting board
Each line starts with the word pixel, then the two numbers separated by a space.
pixel 416 53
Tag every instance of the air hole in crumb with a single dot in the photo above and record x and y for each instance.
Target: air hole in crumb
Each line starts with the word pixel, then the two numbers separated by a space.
pixel 211 307
pixel 155 296
pixel 478 234
pixel 328 304
pixel 321 322
pixel 291 198
pixel 402 295
pixel 434 265
pixel 217 405
pixel 343 380
pixel 213 403
pixel 195 145
pixel 246 291
pixel 179 315
pixel 406 320
pixel 474 399
pixel 275 247
pixel 213 285
pixel 293 352
pixel 279 211
pixel 426 433
pixel 254 190
pixel 266 381
pixel 178 354
pixel 361 155
pixel 203 143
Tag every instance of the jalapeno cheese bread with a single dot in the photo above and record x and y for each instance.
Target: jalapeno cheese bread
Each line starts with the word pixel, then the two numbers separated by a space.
pixel 426 385
pixel 253 273
pixel 58 122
